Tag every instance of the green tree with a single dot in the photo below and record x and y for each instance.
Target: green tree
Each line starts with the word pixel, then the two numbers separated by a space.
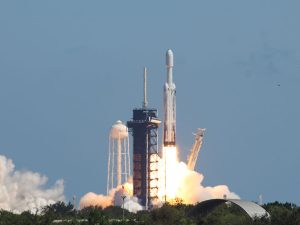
pixel 166 215
pixel 7 218
pixel 96 216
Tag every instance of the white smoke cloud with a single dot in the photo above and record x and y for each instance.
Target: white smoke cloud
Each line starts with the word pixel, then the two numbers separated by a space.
pixel 114 198
pixel 24 190
pixel 182 184
pixel 185 184
pixel 192 191
pixel 92 199
pixel 131 202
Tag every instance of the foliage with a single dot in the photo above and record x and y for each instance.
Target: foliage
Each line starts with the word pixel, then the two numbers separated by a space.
pixel 181 214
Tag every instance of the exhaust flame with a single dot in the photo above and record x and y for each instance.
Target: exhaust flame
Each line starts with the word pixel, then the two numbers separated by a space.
pixel 176 181
pixel 168 174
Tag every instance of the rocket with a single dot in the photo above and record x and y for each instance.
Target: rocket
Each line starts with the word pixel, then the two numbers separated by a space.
pixel 169 132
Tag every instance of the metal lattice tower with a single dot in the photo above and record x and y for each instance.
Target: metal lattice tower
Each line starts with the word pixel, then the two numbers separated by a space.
pixel 144 126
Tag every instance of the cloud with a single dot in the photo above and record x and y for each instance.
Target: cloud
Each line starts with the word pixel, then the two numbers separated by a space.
pixel 25 190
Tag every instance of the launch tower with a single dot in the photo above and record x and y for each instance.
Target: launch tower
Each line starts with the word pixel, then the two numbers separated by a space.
pixel 144 126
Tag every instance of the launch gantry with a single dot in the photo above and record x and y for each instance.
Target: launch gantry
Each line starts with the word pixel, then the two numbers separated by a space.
pixel 144 129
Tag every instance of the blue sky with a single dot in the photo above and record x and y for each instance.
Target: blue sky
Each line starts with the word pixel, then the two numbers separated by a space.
pixel 70 69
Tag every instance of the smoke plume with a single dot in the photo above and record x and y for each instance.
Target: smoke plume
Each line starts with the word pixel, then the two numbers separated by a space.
pixel 92 199
pixel 113 198
pixel 188 185
pixel 191 191
pixel 177 181
pixel 24 190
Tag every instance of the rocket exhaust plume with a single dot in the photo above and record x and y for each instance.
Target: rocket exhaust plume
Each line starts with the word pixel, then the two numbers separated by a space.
pixel 177 181
pixel 24 190
pixel 182 183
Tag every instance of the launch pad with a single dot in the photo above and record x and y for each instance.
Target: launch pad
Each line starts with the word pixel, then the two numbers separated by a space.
pixel 159 178
pixel 153 174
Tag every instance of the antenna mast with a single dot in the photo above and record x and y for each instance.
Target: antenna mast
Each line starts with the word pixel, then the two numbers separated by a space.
pixel 145 102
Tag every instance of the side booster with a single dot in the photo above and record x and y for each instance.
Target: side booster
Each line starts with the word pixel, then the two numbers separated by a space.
pixel 169 134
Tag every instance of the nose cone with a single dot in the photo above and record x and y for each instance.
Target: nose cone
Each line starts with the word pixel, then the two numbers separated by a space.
pixel 169 58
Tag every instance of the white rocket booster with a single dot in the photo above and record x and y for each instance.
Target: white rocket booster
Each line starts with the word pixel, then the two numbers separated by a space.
pixel 169 103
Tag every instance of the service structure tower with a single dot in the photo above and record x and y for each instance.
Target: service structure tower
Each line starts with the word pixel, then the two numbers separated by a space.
pixel 144 128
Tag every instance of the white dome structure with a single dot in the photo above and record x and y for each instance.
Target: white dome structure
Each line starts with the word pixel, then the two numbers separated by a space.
pixel 119 130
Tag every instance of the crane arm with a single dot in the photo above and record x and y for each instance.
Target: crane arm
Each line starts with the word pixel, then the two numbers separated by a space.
pixel 192 158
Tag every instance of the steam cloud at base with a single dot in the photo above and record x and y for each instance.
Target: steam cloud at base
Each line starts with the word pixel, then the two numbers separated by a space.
pixel 114 198
pixel 188 189
pixel 24 190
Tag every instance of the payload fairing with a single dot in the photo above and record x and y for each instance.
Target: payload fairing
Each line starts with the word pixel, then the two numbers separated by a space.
pixel 169 134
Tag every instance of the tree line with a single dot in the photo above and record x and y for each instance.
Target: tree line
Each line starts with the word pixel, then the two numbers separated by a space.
pixel 61 213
